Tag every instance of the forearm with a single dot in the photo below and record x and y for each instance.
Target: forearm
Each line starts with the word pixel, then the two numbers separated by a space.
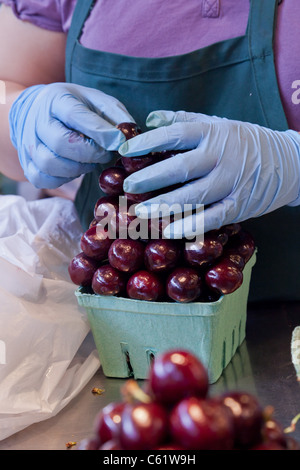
pixel 29 55
pixel 9 161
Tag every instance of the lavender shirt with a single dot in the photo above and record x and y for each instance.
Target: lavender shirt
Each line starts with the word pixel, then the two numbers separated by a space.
pixel 122 27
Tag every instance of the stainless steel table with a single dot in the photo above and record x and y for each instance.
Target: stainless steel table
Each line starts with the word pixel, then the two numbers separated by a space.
pixel 262 365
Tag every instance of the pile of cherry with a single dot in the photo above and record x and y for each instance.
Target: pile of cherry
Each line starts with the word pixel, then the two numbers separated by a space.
pixel 156 268
pixel 174 411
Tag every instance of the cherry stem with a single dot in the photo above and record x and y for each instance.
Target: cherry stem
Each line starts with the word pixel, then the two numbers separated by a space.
pixel 292 426
pixel 131 391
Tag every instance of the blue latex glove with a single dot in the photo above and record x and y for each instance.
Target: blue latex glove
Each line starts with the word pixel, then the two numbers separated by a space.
pixel 239 170
pixel 62 130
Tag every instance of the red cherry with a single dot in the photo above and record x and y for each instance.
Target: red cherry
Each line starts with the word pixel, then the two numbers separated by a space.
pixel 108 281
pixel 184 285
pixel 126 255
pixel 199 424
pixel 231 257
pixel 129 129
pixel 106 207
pixel 224 277
pixel 162 255
pixel 81 269
pixel 107 423
pixel 247 416
pixel 95 242
pixel 125 215
pixel 143 426
pixel 144 285
pixel 202 253
pixel 156 227
pixel 220 235
pixel 111 180
pixel 133 164
pixel 177 374
pixel 243 243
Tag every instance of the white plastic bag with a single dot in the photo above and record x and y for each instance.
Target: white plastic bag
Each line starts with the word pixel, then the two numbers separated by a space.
pixel 41 325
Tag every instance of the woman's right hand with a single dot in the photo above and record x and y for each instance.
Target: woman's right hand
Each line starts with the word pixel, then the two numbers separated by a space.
pixel 62 130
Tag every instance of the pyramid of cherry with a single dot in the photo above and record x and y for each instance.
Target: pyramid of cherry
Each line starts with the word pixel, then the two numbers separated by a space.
pixel 112 262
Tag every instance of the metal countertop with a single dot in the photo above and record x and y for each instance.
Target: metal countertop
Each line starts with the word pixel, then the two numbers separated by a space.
pixel 262 365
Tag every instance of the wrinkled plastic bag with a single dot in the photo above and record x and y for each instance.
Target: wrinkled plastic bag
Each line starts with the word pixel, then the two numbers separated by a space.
pixel 42 328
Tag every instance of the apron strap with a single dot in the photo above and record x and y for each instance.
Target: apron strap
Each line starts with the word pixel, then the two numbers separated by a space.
pixel 260 32
pixel 81 12
pixel 261 25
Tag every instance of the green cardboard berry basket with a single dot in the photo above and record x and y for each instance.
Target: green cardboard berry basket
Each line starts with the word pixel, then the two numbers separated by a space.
pixel 129 333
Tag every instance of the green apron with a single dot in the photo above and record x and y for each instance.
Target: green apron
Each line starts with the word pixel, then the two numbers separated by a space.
pixel 236 79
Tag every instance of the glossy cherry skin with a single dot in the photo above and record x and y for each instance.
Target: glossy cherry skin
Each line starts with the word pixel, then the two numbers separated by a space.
pixel 231 257
pixel 108 281
pixel 125 215
pixel 95 242
pixel 162 255
pixel 198 424
pixel 143 426
pixel 144 285
pixel 202 253
pixel 111 180
pixel 243 243
pixel 156 227
pixel 126 255
pixel 247 417
pixel 184 284
pixel 224 277
pixel 133 164
pixel 177 374
pixel 129 129
pixel 106 207
pixel 107 423
pixel 82 269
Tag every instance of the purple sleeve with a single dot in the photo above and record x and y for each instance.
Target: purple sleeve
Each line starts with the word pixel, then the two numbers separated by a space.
pixel 54 15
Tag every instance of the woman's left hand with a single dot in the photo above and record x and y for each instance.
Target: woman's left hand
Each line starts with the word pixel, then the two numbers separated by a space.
pixel 236 169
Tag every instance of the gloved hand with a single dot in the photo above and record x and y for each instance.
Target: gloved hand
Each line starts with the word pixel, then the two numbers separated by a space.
pixel 62 130
pixel 236 169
